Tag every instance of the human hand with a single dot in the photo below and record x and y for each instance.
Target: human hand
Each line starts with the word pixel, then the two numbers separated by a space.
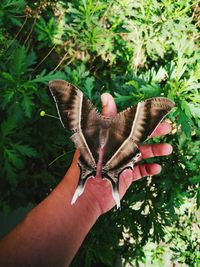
pixel 99 191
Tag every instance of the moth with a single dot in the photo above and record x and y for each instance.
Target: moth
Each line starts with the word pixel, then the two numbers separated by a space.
pixel 107 146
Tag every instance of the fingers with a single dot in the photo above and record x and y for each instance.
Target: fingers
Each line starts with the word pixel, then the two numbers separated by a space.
pixel 145 170
pixel 128 176
pixel 109 108
pixel 162 129
pixel 154 150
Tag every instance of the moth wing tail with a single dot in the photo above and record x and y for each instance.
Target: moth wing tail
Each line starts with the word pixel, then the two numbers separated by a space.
pixel 84 176
pixel 113 178
pixel 116 197
pixel 79 190
pixel 114 175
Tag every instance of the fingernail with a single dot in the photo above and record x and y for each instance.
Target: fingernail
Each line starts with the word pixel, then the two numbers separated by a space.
pixel 170 149
pixel 104 99
pixel 159 168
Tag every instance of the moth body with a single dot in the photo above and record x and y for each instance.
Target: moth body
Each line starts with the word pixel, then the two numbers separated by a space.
pixel 100 163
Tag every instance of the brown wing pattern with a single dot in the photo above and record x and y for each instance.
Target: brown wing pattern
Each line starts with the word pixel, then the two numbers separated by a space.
pixel 78 115
pixel 119 131
pixel 133 126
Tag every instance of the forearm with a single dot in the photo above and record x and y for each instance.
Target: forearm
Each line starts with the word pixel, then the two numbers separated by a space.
pixel 52 232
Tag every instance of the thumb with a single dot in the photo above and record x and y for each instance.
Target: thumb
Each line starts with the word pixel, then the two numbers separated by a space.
pixel 109 108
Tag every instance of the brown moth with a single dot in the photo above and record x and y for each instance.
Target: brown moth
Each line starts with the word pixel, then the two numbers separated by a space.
pixel 107 146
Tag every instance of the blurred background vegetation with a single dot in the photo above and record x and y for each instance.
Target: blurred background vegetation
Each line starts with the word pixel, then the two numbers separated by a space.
pixel 133 49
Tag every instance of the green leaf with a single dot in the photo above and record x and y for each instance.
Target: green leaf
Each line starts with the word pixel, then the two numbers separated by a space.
pixel 89 85
pixel 158 76
pixel 13 157
pixel 45 78
pixel 8 126
pixel 25 150
pixel 122 98
pixel 150 90
pixel 185 107
pixel 194 109
pixel 7 97
pixel 46 30
pixel 15 21
pixel 184 123
pixel 10 174
pixel 27 103
pixel 18 63
pixel 9 9
pixel 134 83
pixel 30 59
pixel 13 5
pixel 154 46
pixel 6 76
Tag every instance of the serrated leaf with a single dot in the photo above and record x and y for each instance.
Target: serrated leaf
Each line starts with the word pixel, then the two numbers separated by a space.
pixel 13 5
pixel 10 174
pixel 150 90
pixel 30 59
pixel 184 123
pixel 45 78
pixel 25 150
pixel 8 95
pixel 154 46
pixel 6 76
pixel 8 126
pixel 13 157
pixel 16 21
pixel 195 110
pixel 160 75
pixel 186 108
pixel 17 63
pixel 122 98
pixel 27 104
pixel 89 85
pixel 134 83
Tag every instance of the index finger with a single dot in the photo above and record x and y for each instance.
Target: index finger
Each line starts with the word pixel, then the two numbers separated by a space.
pixel 162 129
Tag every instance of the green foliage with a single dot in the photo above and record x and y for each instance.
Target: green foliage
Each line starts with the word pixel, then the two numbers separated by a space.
pixel 131 49
pixel 181 241
pixel 9 9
